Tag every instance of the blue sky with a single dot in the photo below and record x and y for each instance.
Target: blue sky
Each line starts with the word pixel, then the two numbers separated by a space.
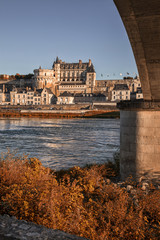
pixel 34 32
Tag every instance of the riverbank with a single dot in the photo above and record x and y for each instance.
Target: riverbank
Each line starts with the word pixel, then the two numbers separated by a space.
pixel 89 202
pixel 99 110
pixel 35 113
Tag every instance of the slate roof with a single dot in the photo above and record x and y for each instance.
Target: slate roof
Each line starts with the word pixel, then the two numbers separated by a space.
pixel 49 91
pixel 79 65
pixel 66 94
pixel 71 83
pixel 121 87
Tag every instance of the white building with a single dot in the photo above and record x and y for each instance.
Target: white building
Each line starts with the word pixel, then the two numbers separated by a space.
pixel 31 97
pixel 65 98
pixel 120 92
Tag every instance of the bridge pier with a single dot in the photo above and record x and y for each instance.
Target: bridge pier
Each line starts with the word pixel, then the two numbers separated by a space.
pixel 140 121
pixel 140 139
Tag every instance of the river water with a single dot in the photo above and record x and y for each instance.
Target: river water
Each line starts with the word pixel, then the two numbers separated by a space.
pixel 61 143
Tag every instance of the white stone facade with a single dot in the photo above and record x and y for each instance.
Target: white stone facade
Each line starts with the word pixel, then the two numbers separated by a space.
pixel 120 92
pixel 44 78
pixel 31 97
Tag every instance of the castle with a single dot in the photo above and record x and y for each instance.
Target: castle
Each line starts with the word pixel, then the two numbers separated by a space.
pixel 69 83
pixel 66 77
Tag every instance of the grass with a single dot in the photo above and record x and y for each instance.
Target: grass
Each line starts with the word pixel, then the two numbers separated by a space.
pixel 81 201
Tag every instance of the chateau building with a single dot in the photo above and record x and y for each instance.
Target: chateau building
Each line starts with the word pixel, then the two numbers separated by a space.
pixel 44 78
pixel 71 77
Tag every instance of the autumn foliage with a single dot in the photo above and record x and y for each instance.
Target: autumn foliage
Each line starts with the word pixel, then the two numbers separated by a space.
pixel 81 201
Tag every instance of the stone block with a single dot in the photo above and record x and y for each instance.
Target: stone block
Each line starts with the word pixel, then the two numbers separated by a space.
pixel 157 149
pixel 144 131
pixel 140 143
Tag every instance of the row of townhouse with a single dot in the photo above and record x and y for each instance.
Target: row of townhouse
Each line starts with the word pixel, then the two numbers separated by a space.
pixel 19 96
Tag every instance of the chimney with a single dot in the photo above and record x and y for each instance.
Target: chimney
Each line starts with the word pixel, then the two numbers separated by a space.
pixel 80 61
pixel 34 89
pixel 90 62
pixel 4 88
pixel 26 88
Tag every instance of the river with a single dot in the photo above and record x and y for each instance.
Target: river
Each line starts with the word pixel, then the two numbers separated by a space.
pixel 61 143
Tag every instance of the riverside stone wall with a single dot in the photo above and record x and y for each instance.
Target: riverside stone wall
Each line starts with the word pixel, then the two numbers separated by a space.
pixel 13 229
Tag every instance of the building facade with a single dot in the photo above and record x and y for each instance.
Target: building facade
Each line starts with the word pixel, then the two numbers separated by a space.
pixel 31 97
pixel 120 92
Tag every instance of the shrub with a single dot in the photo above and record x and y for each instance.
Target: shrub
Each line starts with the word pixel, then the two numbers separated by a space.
pixel 79 201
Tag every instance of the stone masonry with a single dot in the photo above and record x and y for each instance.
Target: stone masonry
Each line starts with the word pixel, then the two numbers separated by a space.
pixel 140 126
pixel 13 229
pixel 140 143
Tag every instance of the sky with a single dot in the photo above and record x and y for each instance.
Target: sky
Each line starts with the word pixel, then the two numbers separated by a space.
pixel 35 32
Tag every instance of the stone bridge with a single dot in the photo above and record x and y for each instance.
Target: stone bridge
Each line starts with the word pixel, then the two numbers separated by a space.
pixel 140 122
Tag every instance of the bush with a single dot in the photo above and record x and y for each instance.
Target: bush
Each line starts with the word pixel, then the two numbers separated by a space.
pixel 80 201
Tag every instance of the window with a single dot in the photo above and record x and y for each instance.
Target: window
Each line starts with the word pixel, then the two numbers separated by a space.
pixel 44 95
pixel 126 93
pixel 18 96
pixel 23 96
pixel 120 93
pixel 126 97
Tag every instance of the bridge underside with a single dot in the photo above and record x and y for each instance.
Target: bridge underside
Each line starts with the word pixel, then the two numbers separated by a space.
pixel 142 22
pixel 140 122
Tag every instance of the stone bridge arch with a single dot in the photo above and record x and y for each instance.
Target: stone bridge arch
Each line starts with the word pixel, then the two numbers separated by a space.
pixel 141 19
pixel 140 121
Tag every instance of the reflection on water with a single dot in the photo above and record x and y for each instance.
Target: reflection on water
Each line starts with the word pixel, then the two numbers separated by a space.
pixel 61 143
